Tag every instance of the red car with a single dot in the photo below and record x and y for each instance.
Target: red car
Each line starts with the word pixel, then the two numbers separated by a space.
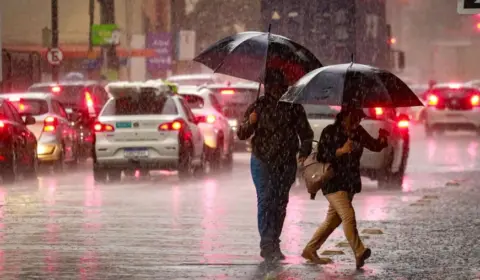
pixel 18 145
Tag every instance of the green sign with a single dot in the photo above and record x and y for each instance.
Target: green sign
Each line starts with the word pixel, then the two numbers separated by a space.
pixel 105 34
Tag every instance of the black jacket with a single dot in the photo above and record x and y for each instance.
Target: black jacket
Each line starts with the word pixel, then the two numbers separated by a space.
pixel 346 167
pixel 282 130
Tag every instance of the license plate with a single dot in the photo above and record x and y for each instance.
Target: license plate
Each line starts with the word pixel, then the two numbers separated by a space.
pixel 453 115
pixel 136 153
pixel 123 125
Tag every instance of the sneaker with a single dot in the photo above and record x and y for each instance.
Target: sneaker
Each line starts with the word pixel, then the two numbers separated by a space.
pixel 360 261
pixel 277 253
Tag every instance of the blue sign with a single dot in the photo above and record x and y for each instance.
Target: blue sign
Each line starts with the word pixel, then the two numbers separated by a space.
pixel 162 44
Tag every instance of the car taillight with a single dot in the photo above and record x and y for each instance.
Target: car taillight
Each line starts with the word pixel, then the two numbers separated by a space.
pixel 378 111
pixel 206 119
pixel 227 91
pixel 21 107
pixel 475 100
pixel 2 124
pixel 101 127
pixel 432 100
pixel 56 89
pixel 88 99
pixel 403 123
pixel 50 124
pixel 170 126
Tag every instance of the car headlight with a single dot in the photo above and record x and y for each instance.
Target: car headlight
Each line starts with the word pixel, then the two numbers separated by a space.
pixel 43 149
pixel 233 123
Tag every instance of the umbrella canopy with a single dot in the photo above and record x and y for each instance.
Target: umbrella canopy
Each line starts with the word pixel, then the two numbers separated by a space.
pixel 245 55
pixel 352 84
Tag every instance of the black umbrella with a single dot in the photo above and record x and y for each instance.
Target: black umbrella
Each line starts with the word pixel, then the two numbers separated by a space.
pixel 244 55
pixel 352 84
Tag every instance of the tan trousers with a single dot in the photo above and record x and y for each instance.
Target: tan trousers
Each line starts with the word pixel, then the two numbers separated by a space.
pixel 339 211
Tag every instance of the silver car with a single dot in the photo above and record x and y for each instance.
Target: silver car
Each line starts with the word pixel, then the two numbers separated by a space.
pixel 144 128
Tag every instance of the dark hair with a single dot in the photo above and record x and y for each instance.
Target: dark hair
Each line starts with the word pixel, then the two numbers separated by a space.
pixel 275 76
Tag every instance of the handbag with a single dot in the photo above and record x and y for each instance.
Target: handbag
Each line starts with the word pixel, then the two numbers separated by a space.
pixel 316 174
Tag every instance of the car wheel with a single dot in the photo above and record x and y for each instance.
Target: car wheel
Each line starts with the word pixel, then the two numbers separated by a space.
pixel 59 164
pixel 394 180
pixel 185 161
pixel 10 172
pixel 216 162
pixel 429 131
pixel 114 175
pixel 99 174
pixel 32 171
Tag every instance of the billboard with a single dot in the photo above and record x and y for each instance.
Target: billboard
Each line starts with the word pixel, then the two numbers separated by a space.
pixel 161 42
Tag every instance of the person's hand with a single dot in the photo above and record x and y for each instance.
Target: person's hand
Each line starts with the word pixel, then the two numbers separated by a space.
pixel 347 147
pixel 383 140
pixel 252 119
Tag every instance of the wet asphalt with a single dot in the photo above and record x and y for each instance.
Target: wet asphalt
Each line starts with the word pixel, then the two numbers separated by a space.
pixel 68 227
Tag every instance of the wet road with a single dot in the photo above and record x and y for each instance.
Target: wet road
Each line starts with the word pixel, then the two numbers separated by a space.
pixel 67 227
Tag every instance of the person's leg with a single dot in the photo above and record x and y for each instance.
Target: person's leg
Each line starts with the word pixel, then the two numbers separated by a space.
pixel 261 179
pixel 342 203
pixel 331 222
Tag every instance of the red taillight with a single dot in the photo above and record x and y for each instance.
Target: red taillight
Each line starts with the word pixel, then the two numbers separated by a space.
pixel 206 119
pixel 101 127
pixel 2 124
pixel 403 123
pixel 56 89
pixel 50 124
pixel 378 111
pixel 227 91
pixel 88 99
pixel 475 100
pixel 175 125
pixel 432 100
pixel 21 107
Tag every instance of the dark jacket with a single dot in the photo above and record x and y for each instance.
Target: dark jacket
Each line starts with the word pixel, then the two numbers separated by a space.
pixel 282 130
pixel 347 166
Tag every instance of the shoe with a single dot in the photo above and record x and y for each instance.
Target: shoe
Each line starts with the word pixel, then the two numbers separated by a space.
pixel 360 261
pixel 312 256
pixel 277 253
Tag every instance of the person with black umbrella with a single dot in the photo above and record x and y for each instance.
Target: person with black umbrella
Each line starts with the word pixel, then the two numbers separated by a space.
pixel 276 129
pixel 341 144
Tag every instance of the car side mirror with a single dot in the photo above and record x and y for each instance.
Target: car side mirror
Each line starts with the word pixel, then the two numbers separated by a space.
pixel 29 120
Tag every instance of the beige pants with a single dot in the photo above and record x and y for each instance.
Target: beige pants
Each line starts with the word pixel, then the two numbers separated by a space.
pixel 340 211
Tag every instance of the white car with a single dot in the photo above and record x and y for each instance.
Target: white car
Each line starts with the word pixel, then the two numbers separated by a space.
pixel 452 107
pixel 144 127
pixel 217 132
pixel 388 166
pixel 194 79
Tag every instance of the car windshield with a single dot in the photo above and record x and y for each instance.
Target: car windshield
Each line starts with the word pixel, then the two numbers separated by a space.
pixel 70 96
pixel 194 101
pixel 453 92
pixel 235 101
pixel 144 105
pixel 34 107
pixel 321 111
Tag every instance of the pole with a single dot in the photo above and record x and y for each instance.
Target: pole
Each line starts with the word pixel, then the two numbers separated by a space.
pixel 128 6
pixel 91 14
pixel 55 36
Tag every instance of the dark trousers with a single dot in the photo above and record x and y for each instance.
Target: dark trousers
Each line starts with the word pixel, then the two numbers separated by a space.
pixel 272 184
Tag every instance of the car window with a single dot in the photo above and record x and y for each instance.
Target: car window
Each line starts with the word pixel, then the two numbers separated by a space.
pixel 70 96
pixel 58 109
pixel 14 115
pixel 188 111
pixel 34 107
pixel 101 95
pixel 146 105
pixel 193 101
pixel 215 103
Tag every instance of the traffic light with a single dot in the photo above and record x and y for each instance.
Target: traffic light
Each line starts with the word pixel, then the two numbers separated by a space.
pixel 392 40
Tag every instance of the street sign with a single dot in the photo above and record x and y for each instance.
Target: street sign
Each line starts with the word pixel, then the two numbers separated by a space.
pixel 161 42
pixel 54 56
pixel 105 34
pixel 468 7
